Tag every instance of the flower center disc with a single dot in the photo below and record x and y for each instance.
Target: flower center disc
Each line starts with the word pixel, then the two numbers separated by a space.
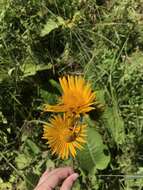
pixel 69 136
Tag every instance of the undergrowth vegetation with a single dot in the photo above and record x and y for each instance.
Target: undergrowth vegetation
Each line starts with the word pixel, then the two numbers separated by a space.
pixel 42 40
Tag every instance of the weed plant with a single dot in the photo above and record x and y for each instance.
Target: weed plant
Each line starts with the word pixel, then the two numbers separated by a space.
pixel 41 40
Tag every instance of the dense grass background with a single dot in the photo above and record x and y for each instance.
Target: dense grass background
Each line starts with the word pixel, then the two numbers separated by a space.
pixel 41 40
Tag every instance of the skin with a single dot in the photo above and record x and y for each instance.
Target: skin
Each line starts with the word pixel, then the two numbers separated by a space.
pixel 51 179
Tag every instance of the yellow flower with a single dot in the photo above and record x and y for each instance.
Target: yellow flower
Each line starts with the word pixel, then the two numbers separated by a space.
pixel 63 136
pixel 77 96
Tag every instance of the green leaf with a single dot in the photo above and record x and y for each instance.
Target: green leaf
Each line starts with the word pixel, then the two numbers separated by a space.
pixel 3 74
pixel 2 118
pixel 31 180
pixel 3 4
pixel 5 185
pixel 22 161
pixel 50 98
pixel 93 154
pixel 115 124
pixel 30 68
pixel 51 25
pixel 56 85
pixel 50 164
pixel 32 146
pixel 133 67
pixel 100 96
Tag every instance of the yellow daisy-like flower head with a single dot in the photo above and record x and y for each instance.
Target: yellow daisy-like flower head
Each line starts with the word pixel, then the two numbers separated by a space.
pixel 77 96
pixel 63 138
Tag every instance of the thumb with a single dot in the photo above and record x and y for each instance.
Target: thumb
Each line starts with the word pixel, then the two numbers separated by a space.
pixel 68 183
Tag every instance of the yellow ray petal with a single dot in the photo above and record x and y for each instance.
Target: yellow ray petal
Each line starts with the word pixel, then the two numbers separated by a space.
pixel 77 96
pixel 62 139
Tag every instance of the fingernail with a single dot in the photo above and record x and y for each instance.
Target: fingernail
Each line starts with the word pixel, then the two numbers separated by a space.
pixel 75 176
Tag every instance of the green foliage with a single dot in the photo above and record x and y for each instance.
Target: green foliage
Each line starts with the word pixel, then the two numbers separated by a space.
pixel 94 151
pixel 41 40
pixel 29 68
pixel 22 161
pixel 51 25
pixel 115 125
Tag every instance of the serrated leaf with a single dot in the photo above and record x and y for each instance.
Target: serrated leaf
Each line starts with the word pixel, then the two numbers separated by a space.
pixel 93 154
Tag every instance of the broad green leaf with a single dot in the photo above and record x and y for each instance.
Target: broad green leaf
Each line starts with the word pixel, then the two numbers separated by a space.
pixel 51 25
pixel 60 20
pixel 30 69
pixel 100 96
pixel 113 121
pixel 94 178
pixel 32 146
pixel 22 161
pixel 115 124
pixel 93 154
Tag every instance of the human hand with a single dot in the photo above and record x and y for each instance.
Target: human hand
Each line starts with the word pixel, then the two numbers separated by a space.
pixel 50 179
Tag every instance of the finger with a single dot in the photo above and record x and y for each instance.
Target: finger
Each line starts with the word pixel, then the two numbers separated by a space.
pixel 68 183
pixel 56 176
pixel 54 171
pixel 46 173
pixel 44 176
